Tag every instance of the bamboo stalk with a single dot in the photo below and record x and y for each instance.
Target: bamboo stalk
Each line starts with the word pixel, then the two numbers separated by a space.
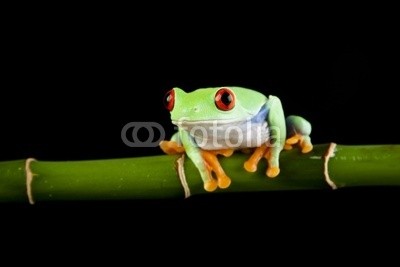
pixel 156 177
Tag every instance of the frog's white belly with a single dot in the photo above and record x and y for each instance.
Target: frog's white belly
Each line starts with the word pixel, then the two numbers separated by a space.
pixel 233 135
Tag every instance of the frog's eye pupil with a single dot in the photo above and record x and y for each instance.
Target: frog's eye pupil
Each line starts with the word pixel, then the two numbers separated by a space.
pixel 224 99
pixel 169 100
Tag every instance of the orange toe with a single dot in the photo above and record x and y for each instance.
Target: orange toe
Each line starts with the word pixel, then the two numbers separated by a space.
pixel 227 152
pixel 210 185
pixel 224 182
pixel 306 148
pixel 273 172
pixel 293 140
pixel 250 166
pixel 287 147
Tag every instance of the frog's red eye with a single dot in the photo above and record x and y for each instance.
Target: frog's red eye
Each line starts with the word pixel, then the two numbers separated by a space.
pixel 169 100
pixel 224 99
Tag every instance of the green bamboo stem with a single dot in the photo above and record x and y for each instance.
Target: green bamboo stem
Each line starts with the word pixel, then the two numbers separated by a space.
pixel 155 177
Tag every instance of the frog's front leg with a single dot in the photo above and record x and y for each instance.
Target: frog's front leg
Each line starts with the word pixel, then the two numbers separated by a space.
pixel 206 162
pixel 299 131
pixel 213 165
pixel 272 148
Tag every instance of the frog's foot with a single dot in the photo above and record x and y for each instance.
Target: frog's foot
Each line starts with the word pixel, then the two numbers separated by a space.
pixel 273 168
pixel 171 147
pixel 263 151
pixel 213 166
pixel 304 142
pixel 251 164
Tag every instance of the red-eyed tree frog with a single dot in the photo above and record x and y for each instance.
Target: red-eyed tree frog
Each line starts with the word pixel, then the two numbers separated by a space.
pixel 217 121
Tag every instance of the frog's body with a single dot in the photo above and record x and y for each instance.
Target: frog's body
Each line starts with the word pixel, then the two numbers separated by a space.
pixel 219 120
pixel 213 135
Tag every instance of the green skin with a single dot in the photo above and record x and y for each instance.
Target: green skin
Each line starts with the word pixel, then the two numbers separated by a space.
pixel 199 109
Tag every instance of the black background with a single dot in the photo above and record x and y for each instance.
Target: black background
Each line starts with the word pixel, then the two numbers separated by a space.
pixel 68 95
pixel 69 86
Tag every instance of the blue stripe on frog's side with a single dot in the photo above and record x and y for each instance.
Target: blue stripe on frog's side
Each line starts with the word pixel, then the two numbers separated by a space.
pixel 261 115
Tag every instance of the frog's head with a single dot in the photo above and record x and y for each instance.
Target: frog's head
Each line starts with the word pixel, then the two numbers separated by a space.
pixel 221 104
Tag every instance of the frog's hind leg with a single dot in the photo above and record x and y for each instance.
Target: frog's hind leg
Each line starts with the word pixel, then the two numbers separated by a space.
pixel 213 165
pixel 299 131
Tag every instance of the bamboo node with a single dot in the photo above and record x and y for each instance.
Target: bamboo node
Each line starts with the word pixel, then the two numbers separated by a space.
pixel 29 179
pixel 181 174
pixel 329 154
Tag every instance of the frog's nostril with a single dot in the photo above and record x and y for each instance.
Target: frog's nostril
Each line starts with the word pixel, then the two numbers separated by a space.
pixel 196 109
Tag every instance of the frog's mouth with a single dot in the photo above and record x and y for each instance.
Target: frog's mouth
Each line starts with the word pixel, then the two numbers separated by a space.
pixel 207 123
